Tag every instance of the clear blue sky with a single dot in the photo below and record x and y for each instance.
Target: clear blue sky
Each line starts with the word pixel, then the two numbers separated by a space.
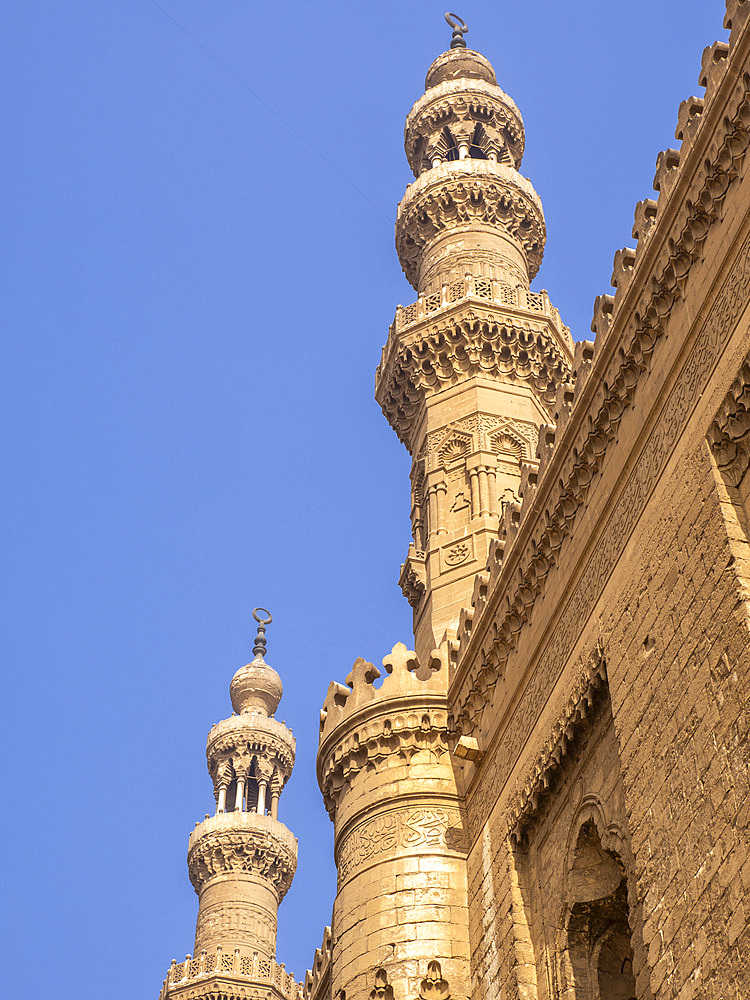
pixel 199 275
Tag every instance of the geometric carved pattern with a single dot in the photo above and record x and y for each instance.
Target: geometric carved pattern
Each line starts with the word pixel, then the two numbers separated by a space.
pixel 230 976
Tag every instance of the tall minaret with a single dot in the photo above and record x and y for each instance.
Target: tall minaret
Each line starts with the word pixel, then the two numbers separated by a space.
pixel 471 370
pixel 242 860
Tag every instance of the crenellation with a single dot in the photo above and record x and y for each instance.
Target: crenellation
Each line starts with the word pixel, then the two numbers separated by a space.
pixel 644 220
pixel 689 119
pixel 734 19
pixel 602 319
pixel 713 67
pixel 667 168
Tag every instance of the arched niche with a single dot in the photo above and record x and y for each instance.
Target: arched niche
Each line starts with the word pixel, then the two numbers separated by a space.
pixel 596 960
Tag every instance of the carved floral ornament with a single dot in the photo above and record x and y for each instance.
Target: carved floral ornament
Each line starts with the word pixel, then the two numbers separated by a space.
pixel 729 434
pixel 452 351
pixel 494 635
pixel 242 852
pixel 459 195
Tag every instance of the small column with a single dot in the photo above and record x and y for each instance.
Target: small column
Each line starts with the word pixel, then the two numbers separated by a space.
pixel 222 803
pixel 275 793
pixel 441 489
pixel 492 475
pixel 433 509
pixel 262 786
pixel 240 793
pixel 474 483
pixel 484 494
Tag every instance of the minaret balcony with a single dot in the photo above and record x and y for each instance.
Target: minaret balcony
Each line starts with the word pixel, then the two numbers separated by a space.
pixel 242 844
pixel 226 973
pixel 476 327
pixel 466 210
pixel 516 298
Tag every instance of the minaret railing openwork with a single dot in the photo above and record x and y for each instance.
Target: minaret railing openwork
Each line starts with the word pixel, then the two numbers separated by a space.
pixel 235 966
pixel 485 289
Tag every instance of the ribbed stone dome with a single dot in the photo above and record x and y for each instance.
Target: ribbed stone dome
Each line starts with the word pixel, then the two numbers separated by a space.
pixel 256 688
pixel 459 64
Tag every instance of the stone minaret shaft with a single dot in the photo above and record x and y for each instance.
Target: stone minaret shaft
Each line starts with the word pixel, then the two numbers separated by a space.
pixel 471 370
pixel 242 859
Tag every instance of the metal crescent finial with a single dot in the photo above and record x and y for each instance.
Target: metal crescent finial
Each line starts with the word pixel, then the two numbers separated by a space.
pixel 260 639
pixel 459 30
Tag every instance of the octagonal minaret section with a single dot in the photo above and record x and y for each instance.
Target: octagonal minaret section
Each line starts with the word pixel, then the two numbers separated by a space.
pixel 471 370
pixel 242 859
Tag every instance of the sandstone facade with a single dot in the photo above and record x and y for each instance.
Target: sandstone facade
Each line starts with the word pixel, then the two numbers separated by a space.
pixel 549 797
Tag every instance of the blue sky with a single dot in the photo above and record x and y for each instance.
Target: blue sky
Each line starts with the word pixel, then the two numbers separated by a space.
pixel 199 275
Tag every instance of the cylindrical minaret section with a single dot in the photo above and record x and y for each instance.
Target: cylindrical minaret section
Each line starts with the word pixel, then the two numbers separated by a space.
pixel 242 860
pixel 469 211
pixel 470 371
pixel 388 782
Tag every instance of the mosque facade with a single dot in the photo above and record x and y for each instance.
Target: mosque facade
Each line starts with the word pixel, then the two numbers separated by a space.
pixel 546 795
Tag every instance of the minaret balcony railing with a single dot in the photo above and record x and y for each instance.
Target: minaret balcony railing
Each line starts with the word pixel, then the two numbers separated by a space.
pixel 234 966
pixel 237 822
pixel 484 289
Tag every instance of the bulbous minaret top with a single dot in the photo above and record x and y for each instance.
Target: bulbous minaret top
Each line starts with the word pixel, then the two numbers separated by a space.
pixel 464 140
pixel 242 860
pixel 256 688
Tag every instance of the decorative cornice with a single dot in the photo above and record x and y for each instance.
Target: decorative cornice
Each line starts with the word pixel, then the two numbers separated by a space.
pixel 597 564
pixel 672 249
pixel 229 976
pixel 487 340
pixel 234 743
pixel 729 434
pixel 402 729
pixel 240 843
pixel 469 192
pixel 588 691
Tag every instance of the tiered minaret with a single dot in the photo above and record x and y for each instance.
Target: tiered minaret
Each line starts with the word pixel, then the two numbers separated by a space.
pixel 242 860
pixel 471 370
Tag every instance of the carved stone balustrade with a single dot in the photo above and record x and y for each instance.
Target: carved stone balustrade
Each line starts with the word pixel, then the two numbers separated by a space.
pixel 229 974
